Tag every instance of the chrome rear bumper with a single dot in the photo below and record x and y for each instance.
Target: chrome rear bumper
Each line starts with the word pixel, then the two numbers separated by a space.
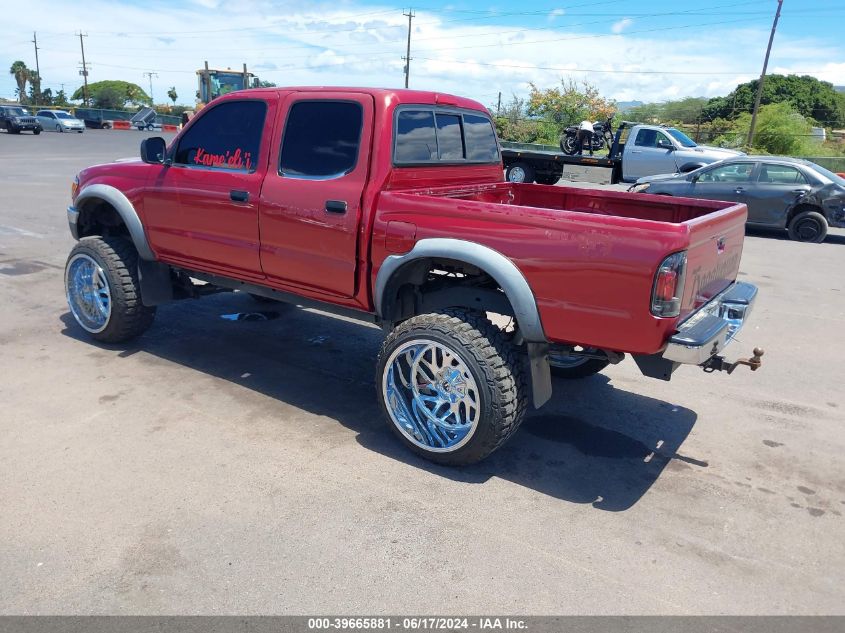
pixel 708 330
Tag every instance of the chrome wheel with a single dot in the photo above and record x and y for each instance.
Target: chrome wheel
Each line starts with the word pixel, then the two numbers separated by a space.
pixel 88 293
pixel 431 395
pixel 516 174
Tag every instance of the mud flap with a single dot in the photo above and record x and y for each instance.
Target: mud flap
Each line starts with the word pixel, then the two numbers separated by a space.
pixel 156 284
pixel 541 375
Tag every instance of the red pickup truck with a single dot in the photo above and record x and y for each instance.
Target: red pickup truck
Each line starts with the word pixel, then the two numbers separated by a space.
pixel 390 206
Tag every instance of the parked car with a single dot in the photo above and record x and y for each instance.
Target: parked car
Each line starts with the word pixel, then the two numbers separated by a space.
pixel 93 118
pixel 780 192
pixel 14 119
pixel 388 206
pixel 60 121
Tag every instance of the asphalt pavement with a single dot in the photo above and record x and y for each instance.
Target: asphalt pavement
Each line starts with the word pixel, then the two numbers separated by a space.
pixel 220 466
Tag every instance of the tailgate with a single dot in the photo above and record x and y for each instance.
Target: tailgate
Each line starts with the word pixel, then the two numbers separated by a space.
pixel 713 256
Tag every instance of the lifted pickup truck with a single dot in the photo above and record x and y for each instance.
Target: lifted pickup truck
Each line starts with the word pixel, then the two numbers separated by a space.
pixel 638 150
pixel 389 205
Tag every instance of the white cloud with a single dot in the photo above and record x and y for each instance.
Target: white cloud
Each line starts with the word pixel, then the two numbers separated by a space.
pixel 555 14
pixel 344 44
pixel 621 25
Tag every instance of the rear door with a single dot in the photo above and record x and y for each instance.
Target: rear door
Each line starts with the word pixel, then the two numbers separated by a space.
pixel 775 191
pixel 311 200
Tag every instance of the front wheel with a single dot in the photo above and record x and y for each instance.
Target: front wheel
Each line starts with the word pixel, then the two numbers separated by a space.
pixel 103 291
pixel 36 131
pixel 569 145
pixel 452 389
pixel 808 226
pixel 59 128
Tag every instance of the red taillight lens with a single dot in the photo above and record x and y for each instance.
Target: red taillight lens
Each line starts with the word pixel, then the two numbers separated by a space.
pixel 669 286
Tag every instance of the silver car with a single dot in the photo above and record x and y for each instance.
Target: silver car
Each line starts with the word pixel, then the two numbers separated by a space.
pixel 59 121
pixel 780 192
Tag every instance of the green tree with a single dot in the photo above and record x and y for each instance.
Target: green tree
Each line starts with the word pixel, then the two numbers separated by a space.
pixel 780 130
pixel 266 84
pixel 21 74
pixel 807 95
pixel 570 103
pixel 60 99
pixel 171 94
pixel 114 94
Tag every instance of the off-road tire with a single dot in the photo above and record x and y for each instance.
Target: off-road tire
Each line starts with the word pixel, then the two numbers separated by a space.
pixel 495 364
pixel 118 258
pixel 797 227
pixel 36 131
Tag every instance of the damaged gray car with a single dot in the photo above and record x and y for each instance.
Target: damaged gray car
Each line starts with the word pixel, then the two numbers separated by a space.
pixel 780 192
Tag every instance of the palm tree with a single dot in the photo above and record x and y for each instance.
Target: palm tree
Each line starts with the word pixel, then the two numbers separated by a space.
pixel 172 94
pixel 21 73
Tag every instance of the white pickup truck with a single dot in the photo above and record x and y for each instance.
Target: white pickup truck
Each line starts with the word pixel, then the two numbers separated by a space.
pixel 638 150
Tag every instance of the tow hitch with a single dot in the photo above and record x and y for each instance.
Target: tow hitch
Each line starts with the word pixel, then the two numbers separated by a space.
pixel 718 363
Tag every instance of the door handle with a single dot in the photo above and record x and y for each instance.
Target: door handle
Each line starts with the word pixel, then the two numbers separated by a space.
pixel 739 190
pixel 336 206
pixel 800 192
pixel 239 196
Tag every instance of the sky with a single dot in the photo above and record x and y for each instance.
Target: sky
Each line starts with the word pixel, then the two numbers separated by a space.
pixel 645 50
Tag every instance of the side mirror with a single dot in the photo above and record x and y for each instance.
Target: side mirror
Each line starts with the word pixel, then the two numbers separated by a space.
pixel 153 150
pixel 664 144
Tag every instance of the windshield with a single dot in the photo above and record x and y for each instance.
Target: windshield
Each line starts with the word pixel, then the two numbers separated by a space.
pixel 839 180
pixel 682 138
pixel 62 115
pixel 17 111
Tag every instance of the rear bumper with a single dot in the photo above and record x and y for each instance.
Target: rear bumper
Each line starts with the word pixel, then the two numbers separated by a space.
pixel 708 331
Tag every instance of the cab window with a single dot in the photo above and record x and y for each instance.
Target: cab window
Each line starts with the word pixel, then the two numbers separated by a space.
pixel 226 136
pixel 650 138
pixel 432 135
pixel 321 139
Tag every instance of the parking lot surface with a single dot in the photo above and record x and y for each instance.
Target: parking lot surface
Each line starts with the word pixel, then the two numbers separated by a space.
pixel 220 466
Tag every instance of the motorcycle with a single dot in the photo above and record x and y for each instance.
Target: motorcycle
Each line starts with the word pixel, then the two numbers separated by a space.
pixel 602 137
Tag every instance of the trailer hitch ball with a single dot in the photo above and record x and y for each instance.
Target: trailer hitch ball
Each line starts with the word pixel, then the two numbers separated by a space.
pixel 718 363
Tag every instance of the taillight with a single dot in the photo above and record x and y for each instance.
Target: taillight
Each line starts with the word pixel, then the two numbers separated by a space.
pixel 669 286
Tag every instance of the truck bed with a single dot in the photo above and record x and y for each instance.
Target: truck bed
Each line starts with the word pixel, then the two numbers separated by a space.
pixel 589 255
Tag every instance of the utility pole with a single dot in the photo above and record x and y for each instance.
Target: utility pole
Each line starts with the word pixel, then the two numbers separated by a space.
pixel 84 71
pixel 407 57
pixel 151 75
pixel 763 76
pixel 499 105
pixel 37 69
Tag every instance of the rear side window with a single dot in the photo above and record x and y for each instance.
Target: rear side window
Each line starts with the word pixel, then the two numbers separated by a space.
pixel 432 136
pixel 780 175
pixel 321 139
pixel 227 136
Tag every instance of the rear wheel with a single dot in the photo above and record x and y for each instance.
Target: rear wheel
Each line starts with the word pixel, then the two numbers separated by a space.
pixel 808 226
pixel 103 291
pixel 569 145
pixel 451 387
pixel 573 366
pixel 520 172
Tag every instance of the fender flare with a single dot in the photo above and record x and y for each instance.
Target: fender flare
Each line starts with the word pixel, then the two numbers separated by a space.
pixel 499 267
pixel 125 210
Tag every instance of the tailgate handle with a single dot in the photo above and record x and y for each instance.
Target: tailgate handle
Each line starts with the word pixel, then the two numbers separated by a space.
pixel 336 206
pixel 239 196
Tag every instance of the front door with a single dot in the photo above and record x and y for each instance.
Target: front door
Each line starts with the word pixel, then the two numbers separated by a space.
pixel 730 182
pixel 652 153
pixel 202 209
pixel 311 200
pixel 776 190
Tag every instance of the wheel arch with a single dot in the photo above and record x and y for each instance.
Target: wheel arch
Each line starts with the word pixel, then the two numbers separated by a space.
pixel 91 200
pixel 801 207
pixel 398 270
